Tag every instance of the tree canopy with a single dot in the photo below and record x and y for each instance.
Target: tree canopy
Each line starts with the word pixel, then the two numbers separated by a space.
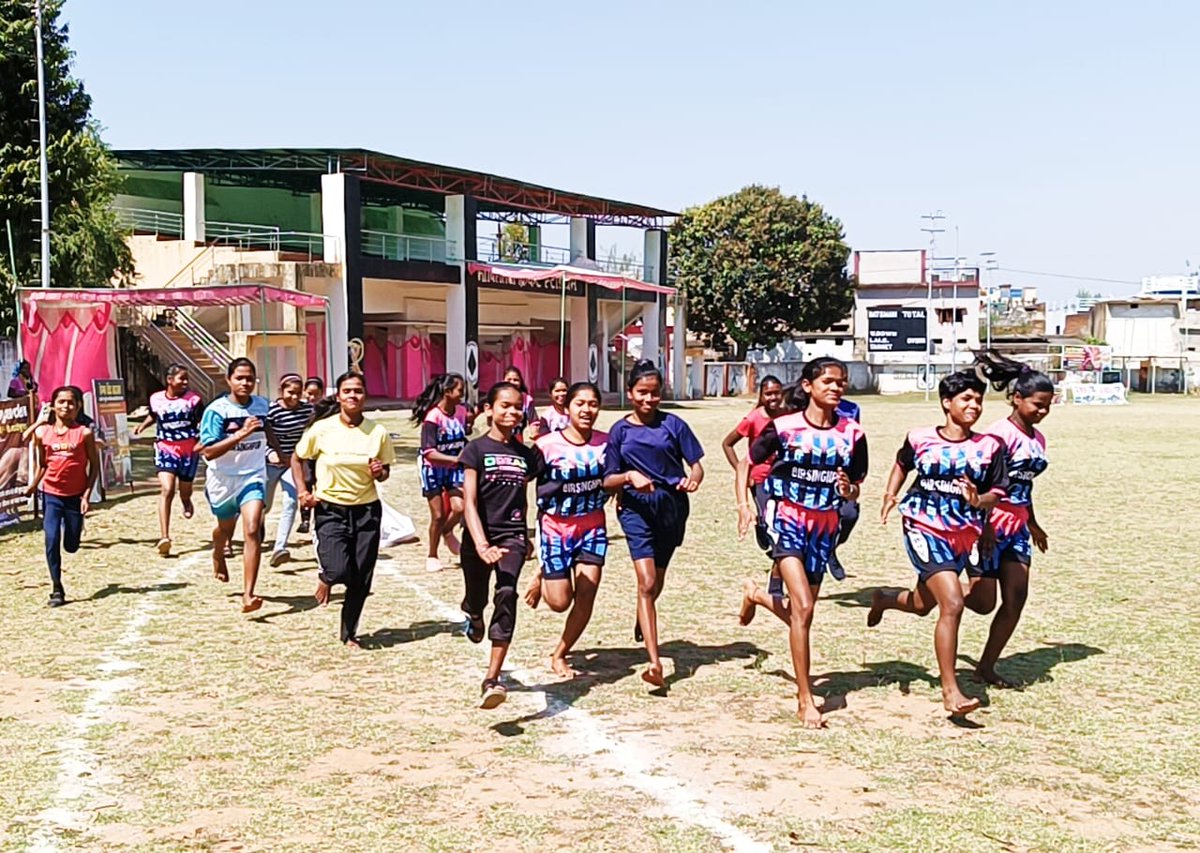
pixel 758 266
pixel 87 248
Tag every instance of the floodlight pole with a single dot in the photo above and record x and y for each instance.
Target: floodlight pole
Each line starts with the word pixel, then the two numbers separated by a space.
pixel 45 172
pixel 932 230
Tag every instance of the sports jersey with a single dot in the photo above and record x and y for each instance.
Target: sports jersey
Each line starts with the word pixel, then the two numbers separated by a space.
pixel 1025 457
pixel 750 428
pixel 935 500
pixel 342 453
pixel 246 461
pixel 553 421
pixel 572 481
pixel 504 468
pixel 176 418
pixel 807 459
pixel 66 460
pixel 658 449
pixel 445 434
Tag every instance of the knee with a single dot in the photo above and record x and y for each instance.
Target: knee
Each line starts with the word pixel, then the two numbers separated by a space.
pixel 981 605
pixel 802 613
pixel 953 609
pixel 558 605
pixel 1015 598
pixel 647 584
pixel 252 525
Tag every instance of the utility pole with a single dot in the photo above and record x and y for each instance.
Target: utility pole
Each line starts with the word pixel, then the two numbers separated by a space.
pixel 990 264
pixel 932 228
pixel 954 309
pixel 45 172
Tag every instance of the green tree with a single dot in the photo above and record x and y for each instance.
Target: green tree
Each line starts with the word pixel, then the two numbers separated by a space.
pixel 87 247
pixel 758 265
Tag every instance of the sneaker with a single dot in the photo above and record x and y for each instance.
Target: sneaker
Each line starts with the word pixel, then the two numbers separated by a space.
pixel 835 567
pixel 57 599
pixel 474 630
pixel 494 694
pixel 433 564
pixel 278 558
pixel 303 528
pixel 452 544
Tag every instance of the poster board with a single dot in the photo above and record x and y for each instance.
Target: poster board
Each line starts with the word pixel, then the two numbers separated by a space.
pixel 15 417
pixel 896 329
pixel 116 464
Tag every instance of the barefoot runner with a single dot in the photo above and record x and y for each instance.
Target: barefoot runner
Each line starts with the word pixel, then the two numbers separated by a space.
pixel 497 466
pixel 961 475
pixel 177 411
pixel 287 418
pixel 652 463
pixel 352 454
pixel 572 536
pixel 444 425
pixel 1012 530
pixel 233 433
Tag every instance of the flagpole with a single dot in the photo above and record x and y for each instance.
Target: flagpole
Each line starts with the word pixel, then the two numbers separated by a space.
pixel 45 172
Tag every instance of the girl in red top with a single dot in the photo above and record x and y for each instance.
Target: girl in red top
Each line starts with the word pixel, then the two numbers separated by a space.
pixel 67 466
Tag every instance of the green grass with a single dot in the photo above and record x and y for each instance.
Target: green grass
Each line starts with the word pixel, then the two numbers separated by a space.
pixel 263 732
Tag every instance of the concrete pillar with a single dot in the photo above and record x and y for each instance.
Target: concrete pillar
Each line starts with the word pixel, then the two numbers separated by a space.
pixel 462 300
pixel 651 342
pixel 583 238
pixel 654 315
pixel 679 350
pixel 340 220
pixel 193 207
pixel 577 346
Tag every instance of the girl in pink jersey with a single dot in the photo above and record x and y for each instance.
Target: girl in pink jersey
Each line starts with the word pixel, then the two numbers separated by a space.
pixel 1012 531
pixel 557 417
pixel 572 536
pixel 67 466
pixel 960 476
pixel 444 426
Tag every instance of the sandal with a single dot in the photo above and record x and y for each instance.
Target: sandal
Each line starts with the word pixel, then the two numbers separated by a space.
pixel 164 547
pixel 494 693
pixel 474 630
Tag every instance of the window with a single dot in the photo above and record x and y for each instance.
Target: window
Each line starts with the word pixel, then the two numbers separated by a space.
pixel 947 316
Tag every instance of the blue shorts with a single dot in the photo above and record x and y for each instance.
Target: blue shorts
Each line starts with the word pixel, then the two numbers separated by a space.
pixel 931 553
pixel 808 535
pixel 1016 547
pixel 255 490
pixel 436 479
pixel 567 542
pixel 654 523
pixel 178 459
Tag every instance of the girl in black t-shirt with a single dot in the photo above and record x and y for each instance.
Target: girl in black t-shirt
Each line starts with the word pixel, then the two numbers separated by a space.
pixel 496 467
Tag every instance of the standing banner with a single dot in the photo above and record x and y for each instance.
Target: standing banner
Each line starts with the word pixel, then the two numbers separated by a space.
pixel 15 417
pixel 116 465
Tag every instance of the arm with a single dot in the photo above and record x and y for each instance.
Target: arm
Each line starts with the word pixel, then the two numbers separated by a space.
pixel 145 425
pixel 891 491
pixel 93 458
pixel 488 553
pixel 849 482
pixel 429 451
pixel 219 448
pixel 303 496
pixel 39 461
pixel 994 485
pixel 694 478
pixel 741 491
pixel 727 444
pixel 692 452
pixel 615 478
pixel 273 442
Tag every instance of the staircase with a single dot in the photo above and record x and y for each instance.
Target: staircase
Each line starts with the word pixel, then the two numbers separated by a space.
pixel 175 338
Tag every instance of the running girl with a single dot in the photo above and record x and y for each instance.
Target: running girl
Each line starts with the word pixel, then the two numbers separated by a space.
pixel 529 415
pixel 819 461
pixel 314 390
pixel 176 410
pixel 558 417
pixel 652 463
pixel 961 475
pixel 572 536
pixel 1012 529
pixel 287 419
pixel 352 454
pixel 444 424
pixel 234 434
pixel 496 469
pixel 67 467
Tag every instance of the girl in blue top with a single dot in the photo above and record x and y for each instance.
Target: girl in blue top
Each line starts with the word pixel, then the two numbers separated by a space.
pixel 652 463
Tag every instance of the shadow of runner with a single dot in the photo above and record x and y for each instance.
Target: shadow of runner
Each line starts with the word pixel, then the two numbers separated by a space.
pixel 120 589
pixel 295 604
pixel 1026 668
pixel 859 597
pixel 386 638
pixel 595 667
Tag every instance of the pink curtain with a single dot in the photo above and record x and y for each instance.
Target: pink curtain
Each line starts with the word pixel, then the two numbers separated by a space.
pixel 315 348
pixel 375 368
pixel 68 346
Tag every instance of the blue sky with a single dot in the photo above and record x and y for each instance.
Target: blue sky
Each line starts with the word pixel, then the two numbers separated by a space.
pixel 1062 136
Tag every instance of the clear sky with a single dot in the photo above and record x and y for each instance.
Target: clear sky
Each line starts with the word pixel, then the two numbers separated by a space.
pixel 1061 135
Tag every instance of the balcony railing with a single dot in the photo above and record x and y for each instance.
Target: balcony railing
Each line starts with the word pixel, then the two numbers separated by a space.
pixel 150 221
pixel 408 247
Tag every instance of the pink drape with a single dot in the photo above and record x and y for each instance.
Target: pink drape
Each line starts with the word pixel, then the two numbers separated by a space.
pixel 315 355
pixel 68 346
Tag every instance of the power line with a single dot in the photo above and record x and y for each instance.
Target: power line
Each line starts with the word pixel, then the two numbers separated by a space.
pixel 1073 277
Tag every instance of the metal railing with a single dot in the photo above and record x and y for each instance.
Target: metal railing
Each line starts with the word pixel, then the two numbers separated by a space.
pixel 269 234
pixel 150 221
pixel 216 352
pixel 141 322
pixel 408 247
pixel 492 250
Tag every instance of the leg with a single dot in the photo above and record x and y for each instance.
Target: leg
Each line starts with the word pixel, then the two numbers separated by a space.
pixel 72 525
pixel 649 587
pixel 1014 590
pixel 451 521
pixel 558 593
pixel 166 495
pixel 367 521
pixel 587 584
pixel 947 592
pixel 222 536
pixel 980 596
pixel 436 519
pixel 918 601
pixel 287 517
pixel 802 597
pixel 477 576
pixel 504 605
pixel 335 549
pixel 252 520
pixel 754 596
pixel 52 524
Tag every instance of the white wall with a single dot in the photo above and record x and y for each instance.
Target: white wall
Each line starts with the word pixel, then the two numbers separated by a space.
pixel 902 267
pixel 1142 329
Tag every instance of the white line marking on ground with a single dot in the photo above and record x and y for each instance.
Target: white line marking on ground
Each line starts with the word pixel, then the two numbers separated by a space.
pixel 606 749
pixel 81 775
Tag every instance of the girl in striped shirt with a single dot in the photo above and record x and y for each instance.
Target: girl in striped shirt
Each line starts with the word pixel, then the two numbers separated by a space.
pixel 287 419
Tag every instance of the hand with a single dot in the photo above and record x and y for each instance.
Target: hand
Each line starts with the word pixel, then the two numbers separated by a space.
pixel 250 425
pixel 842 484
pixel 491 555
pixel 377 468
pixel 969 491
pixel 31 490
pixel 889 504
pixel 745 519
pixel 84 505
pixel 987 542
pixel 687 484
pixel 1040 541
pixel 307 500
pixel 639 482
pixel 274 458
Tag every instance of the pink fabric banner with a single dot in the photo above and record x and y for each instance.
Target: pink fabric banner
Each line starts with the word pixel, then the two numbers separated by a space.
pixel 68 345
pixel 233 294
pixel 515 273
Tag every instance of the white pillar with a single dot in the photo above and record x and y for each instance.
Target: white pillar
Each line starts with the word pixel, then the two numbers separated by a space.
pixel 578 345
pixel 679 347
pixel 651 320
pixel 193 207
pixel 653 245
pixel 456 294
pixel 579 237
pixel 333 224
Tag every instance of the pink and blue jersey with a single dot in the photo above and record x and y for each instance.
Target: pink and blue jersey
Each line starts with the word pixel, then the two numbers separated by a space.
pixel 1025 457
pixel 553 421
pixel 571 498
pixel 177 419
pixel 935 500
pixel 446 434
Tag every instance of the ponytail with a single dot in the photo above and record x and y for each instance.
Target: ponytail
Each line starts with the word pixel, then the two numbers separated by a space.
pixel 643 369
pixel 433 394
pixel 1011 376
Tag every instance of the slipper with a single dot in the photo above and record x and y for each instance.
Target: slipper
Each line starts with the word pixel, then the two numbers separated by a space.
pixel 255 604
pixel 164 547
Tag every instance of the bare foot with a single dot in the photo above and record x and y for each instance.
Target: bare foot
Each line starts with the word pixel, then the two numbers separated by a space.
pixel 353 645
pixel 810 716
pixel 875 616
pixel 653 674
pixel 959 705
pixel 988 675
pixel 164 547
pixel 533 593
pixel 251 603
pixel 322 592
pixel 560 668
pixel 748 608
pixel 188 509
pixel 220 569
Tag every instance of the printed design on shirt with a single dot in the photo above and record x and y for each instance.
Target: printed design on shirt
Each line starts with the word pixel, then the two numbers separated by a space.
pixel 555 422
pixel 1026 458
pixel 573 481
pixel 936 499
pixel 806 467
pixel 446 434
pixel 177 419
pixel 509 469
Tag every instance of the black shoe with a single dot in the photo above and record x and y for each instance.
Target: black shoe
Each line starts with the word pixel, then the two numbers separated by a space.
pixel 637 632
pixel 474 630
pixel 303 528
pixel 57 599
pixel 835 567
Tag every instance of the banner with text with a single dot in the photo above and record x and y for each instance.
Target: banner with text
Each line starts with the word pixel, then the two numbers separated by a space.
pixel 15 417
pixel 112 422
pixel 896 329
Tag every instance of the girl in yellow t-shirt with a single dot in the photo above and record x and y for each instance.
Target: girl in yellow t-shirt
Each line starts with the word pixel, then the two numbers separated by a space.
pixel 352 454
